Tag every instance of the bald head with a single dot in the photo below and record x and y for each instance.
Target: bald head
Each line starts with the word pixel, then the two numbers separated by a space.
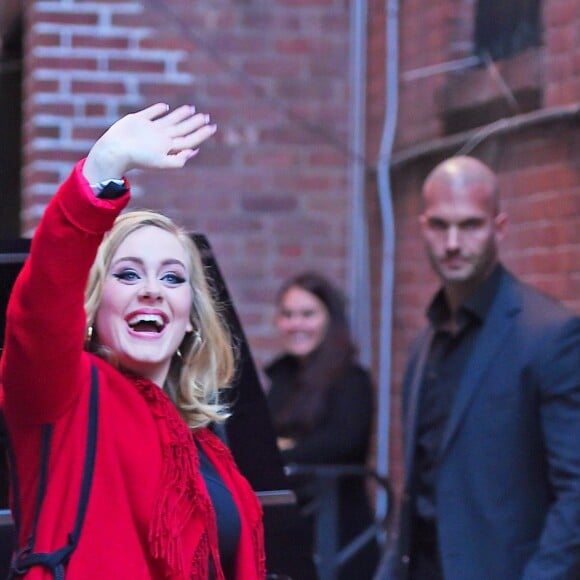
pixel 464 174
pixel 462 225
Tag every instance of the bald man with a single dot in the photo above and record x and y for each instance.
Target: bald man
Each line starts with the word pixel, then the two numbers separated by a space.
pixel 491 407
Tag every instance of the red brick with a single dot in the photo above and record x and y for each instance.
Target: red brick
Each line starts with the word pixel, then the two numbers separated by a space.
pixel 47 39
pixel 134 65
pixel 103 87
pixel 94 109
pixel 66 18
pixel 61 109
pixel 273 203
pixel 37 86
pixel 265 66
pixel 47 131
pixel 43 176
pixel 99 41
pixel 65 63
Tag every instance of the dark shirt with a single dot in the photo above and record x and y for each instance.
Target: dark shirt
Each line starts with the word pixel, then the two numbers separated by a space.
pixel 444 369
pixel 227 516
pixel 340 436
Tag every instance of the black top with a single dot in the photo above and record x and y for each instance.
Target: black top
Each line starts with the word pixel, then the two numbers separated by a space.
pixel 227 516
pixel 444 368
pixel 341 436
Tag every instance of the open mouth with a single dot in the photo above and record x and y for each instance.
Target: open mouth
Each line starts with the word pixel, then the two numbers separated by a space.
pixel 150 323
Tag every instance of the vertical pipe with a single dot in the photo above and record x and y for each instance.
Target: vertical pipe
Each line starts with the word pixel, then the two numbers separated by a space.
pixel 388 249
pixel 359 285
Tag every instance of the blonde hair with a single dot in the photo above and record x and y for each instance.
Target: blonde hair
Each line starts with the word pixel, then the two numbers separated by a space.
pixel 204 363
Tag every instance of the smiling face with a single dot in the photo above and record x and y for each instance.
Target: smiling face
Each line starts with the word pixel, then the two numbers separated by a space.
pixel 302 320
pixel 146 302
pixel 461 225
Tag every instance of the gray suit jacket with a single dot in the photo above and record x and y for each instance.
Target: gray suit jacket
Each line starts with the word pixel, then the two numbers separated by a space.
pixel 508 487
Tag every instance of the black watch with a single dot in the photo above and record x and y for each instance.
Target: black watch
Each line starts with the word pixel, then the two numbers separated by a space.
pixel 110 188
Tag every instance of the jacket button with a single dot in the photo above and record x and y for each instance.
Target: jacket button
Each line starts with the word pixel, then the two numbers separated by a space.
pixel 405 559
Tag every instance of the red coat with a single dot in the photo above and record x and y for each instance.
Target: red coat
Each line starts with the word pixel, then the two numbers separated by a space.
pixel 45 378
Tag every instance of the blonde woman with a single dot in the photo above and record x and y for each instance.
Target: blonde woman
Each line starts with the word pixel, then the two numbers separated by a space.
pixel 109 386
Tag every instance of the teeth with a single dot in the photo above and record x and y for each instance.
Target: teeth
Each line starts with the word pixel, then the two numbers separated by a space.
pixel 153 318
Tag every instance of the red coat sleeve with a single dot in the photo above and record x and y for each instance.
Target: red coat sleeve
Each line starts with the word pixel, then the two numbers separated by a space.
pixel 42 365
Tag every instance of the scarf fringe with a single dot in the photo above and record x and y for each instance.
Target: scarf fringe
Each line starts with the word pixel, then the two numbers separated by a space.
pixel 180 488
pixel 182 495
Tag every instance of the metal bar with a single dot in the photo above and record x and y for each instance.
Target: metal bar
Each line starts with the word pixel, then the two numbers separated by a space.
pixel 442 67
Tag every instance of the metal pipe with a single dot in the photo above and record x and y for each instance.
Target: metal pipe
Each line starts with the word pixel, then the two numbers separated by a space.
pixel 441 67
pixel 388 247
pixel 359 285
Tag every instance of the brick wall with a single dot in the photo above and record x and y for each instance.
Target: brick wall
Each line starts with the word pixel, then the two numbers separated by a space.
pixel 271 190
pixel 538 165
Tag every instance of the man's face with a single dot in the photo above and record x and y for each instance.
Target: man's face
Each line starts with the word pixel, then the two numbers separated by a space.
pixel 461 230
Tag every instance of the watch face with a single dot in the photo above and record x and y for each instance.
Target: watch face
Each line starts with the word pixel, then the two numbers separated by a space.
pixel 112 188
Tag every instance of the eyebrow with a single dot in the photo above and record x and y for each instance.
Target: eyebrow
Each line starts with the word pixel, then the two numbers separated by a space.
pixel 437 219
pixel 168 262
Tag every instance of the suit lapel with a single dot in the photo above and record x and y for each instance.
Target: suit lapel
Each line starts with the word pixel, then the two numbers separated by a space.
pixel 495 330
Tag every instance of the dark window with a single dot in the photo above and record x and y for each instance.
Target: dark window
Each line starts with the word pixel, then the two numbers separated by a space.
pixel 505 27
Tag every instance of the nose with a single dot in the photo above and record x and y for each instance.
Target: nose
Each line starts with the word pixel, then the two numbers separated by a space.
pixel 293 322
pixel 452 241
pixel 290 322
pixel 151 289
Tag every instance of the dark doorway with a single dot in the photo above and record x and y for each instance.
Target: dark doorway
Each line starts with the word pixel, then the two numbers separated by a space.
pixel 10 126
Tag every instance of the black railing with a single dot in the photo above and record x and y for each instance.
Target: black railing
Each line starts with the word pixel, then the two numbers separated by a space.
pixel 324 509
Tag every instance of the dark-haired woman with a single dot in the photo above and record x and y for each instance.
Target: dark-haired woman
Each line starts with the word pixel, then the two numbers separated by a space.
pixel 321 401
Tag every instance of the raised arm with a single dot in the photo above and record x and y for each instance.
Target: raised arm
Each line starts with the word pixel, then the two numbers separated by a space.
pixel 154 138
pixel 42 362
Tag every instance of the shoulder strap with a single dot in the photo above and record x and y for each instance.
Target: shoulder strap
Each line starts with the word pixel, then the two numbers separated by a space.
pixel 55 561
pixel 13 481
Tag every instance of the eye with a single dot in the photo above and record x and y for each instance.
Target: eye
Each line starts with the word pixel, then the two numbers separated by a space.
pixel 173 279
pixel 437 224
pixel 127 275
pixel 471 224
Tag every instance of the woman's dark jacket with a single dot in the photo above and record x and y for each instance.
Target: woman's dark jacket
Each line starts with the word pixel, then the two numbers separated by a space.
pixel 340 436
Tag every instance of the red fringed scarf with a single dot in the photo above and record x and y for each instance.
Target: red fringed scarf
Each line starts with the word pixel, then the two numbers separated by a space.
pixel 183 498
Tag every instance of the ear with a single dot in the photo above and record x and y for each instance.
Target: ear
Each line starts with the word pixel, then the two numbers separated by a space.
pixel 501 223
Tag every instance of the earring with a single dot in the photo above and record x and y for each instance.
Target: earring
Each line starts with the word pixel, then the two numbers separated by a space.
pixel 197 340
pixel 89 335
pixel 196 344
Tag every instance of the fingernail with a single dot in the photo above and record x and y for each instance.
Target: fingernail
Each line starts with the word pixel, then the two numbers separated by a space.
pixel 192 107
pixel 213 128
pixel 193 153
pixel 206 118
